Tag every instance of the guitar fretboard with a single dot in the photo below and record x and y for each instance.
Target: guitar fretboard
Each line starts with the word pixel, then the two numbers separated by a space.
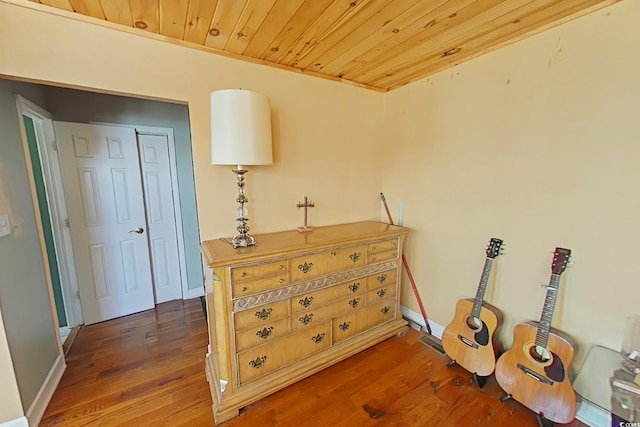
pixel 482 288
pixel 542 336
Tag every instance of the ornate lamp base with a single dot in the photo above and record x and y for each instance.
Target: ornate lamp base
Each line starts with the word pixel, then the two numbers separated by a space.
pixel 243 239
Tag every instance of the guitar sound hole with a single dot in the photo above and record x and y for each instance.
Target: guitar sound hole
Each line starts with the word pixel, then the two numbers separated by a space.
pixel 539 354
pixel 474 323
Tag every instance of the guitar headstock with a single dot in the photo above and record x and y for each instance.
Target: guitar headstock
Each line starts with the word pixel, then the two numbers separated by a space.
pixel 560 260
pixel 493 248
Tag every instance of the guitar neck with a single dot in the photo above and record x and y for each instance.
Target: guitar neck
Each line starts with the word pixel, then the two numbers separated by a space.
pixel 482 288
pixel 544 326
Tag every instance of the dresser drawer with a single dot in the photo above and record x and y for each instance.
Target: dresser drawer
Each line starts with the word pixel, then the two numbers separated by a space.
pixel 261 334
pixel 383 246
pixel 361 320
pixel 319 298
pixel 266 358
pixel 383 278
pixel 382 256
pixel 312 317
pixel 248 272
pixel 260 316
pixel 242 288
pixel 384 291
pixel 308 266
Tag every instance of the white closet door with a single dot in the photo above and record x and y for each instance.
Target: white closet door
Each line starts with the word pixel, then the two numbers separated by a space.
pixel 163 239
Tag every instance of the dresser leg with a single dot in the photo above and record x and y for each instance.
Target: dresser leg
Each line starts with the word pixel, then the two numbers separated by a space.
pixel 402 332
pixel 220 417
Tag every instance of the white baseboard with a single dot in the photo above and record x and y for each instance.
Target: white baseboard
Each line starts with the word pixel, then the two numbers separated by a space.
pixel 18 422
pixel 194 293
pixel 593 415
pixel 39 405
pixel 436 329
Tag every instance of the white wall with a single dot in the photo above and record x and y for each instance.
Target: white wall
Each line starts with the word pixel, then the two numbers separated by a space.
pixel 536 144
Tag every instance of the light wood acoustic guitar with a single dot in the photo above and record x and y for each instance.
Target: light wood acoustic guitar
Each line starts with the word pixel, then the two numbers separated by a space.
pixel 469 340
pixel 535 371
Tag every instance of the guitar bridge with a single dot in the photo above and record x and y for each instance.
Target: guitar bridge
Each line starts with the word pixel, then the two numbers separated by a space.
pixel 467 341
pixel 535 375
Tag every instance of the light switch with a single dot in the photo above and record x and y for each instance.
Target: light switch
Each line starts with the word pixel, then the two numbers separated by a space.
pixel 5 227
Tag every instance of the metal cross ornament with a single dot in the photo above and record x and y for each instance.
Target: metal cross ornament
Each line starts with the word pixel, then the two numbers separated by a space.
pixel 307 204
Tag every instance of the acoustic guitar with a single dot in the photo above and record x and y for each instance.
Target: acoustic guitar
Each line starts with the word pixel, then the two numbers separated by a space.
pixel 470 337
pixel 535 371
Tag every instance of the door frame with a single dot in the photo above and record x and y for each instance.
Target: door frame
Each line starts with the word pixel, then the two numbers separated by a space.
pixel 175 193
pixel 47 148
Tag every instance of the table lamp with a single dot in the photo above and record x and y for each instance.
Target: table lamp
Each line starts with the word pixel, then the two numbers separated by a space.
pixel 240 135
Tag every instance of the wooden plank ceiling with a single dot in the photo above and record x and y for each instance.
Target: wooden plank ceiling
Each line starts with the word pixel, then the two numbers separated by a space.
pixel 379 44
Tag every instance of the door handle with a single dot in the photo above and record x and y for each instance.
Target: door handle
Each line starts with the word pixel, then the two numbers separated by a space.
pixel 138 230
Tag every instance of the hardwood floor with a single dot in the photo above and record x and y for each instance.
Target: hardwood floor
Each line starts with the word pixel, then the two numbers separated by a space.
pixel 147 369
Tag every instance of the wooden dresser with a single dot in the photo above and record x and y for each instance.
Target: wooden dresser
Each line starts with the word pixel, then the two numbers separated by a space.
pixel 295 304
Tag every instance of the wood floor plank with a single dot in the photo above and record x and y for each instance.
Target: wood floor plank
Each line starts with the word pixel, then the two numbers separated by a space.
pixel 147 369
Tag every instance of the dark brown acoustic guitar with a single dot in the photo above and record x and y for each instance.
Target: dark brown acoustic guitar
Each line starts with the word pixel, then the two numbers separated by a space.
pixel 469 340
pixel 535 371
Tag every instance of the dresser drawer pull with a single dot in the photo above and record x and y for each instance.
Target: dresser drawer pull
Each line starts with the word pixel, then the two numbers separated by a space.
pixel 343 327
pixel 381 292
pixel 280 267
pixel 306 301
pixel 243 274
pixel 305 267
pixel 262 315
pixel 354 302
pixel 385 310
pixel 373 258
pixel 306 319
pixel 264 334
pixel 258 363
pixel 355 256
pixel 281 281
pixel 354 287
pixel 334 253
pixel 318 338
pixel 244 289
pixel 381 278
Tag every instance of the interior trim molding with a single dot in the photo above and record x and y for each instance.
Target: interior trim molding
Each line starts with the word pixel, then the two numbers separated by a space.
pixel 193 293
pixel 592 415
pixel 39 405
pixel 17 422
pixel 416 318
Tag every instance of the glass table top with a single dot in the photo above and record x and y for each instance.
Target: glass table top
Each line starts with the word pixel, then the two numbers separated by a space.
pixel 594 383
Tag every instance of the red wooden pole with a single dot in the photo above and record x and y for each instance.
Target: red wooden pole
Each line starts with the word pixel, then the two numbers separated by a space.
pixel 408 270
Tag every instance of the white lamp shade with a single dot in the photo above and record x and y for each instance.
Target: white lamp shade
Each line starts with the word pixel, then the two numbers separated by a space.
pixel 240 128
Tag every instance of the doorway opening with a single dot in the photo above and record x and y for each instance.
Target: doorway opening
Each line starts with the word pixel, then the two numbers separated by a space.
pixel 150 141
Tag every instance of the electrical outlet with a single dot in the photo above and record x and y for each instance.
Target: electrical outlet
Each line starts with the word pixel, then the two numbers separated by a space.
pixel 5 226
